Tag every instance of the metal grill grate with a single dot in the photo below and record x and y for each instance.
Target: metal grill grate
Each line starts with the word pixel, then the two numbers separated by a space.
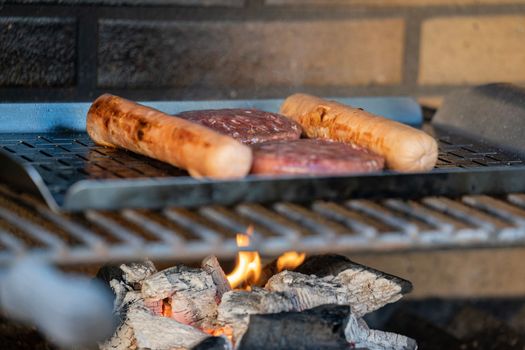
pixel 27 226
pixel 65 159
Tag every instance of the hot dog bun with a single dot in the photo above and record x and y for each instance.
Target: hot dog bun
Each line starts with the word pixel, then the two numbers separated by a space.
pixel 116 122
pixel 404 148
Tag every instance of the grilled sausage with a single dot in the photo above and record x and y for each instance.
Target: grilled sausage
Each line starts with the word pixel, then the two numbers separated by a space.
pixel 116 122
pixel 404 148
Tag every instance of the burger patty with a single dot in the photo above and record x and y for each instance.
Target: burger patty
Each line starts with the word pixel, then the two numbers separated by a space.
pixel 313 156
pixel 246 125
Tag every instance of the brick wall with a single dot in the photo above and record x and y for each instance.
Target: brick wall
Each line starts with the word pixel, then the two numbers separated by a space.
pixel 206 49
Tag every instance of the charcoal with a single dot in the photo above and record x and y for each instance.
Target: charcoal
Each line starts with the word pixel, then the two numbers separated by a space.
pixel 236 307
pixel 191 293
pixel 211 265
pixel 143 330
pixel 322 327
pixel 363 290
pixel 333 264
pixel 110 272
pixel 213 343
pixel 131 274
pixel 267 272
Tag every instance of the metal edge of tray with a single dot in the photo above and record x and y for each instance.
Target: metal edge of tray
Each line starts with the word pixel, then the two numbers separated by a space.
pixel 160 192
pixel 26 178
pixel 50 117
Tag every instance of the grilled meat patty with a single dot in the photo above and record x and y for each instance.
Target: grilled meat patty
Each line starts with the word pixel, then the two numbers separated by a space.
pixel 313 156
pixel 246 125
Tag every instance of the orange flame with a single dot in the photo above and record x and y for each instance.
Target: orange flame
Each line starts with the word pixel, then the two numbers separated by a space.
pixel 248 268
pixel 247 271
pixel 226 330
pixel 166 307
pixel 289 261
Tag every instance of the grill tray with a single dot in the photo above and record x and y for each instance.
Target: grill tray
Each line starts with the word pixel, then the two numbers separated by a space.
pixel 62 164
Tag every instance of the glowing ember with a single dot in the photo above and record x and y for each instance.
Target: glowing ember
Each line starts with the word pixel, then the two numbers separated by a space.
pixel 227 331
pixel 290 260
pixel 248 268
pixel 166 307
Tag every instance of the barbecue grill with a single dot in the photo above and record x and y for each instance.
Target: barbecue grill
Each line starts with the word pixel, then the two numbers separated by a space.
pixel 160 212
pixel 65 200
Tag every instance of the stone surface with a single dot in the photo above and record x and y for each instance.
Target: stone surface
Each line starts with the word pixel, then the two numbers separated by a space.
pixel 229 55
pixel 37 51
pixel 472 50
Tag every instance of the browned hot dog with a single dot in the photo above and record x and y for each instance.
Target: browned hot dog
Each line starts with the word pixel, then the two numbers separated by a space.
pixel 404 148
pixel 116 122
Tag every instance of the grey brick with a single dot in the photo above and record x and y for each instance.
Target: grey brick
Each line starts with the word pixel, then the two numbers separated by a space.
pixel 231 55
pixel 234 3
pixel 37 51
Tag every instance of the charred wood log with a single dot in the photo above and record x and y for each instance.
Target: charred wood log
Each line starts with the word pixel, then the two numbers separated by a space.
pixel 320 328
pixel 334 264
pixel 267 272
pixel 141 329
pixel 358 334
pixel 211 265
pixel 237 306
pixel 362 289
pixel 190 292
pixel 125 275
pixel 136 272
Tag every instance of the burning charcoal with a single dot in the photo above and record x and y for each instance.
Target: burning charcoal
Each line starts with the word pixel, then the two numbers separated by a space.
pixel 211 265
pixel 135 273
pixel 267 272
pixel 131 274
pixel 237 306
pixel 120 290
pixel 333 264
pixel 358 334
pixel 214 343
pixel 144 330
pixel 363 290
pixel 320 328
pixel 108 272
pixel 189 292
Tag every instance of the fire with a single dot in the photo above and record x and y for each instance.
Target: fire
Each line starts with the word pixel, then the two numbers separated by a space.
pixel 166 307
pixel 289 261
pixel 226 330
pixel 248 268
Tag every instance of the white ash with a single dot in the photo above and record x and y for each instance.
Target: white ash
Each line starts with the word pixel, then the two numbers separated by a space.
pixel 358 334
pixel 367 291
pixel 155 306
pixel 159 333
pixel 134 273
pixel 211 265
pixel 361 289
pixel 120 289
pixel 237 306
pixel 193 295
pixel 190 291
pixel 141 329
